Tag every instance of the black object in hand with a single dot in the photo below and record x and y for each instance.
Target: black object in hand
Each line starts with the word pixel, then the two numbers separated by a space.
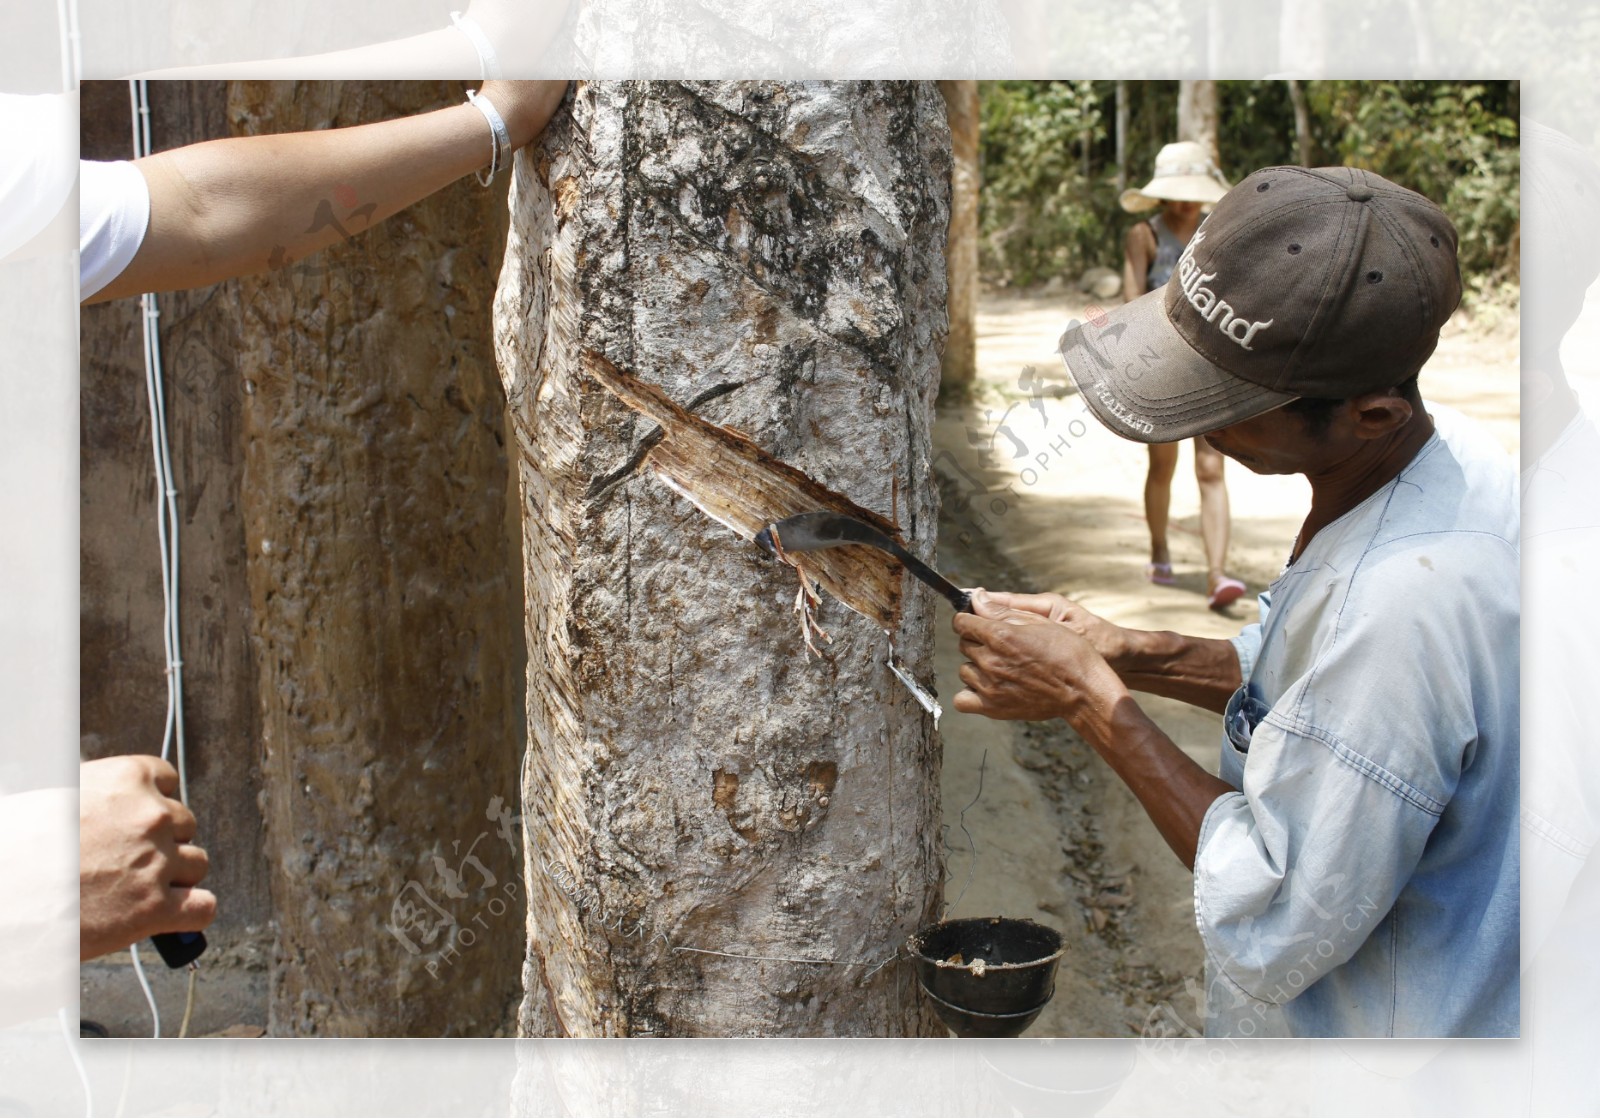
pixel 179 949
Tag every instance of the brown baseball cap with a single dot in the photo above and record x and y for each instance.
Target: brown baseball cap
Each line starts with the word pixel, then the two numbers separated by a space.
pixel 1325 282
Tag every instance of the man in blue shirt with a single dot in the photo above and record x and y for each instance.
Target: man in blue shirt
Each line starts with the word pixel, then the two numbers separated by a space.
pixel 1356 858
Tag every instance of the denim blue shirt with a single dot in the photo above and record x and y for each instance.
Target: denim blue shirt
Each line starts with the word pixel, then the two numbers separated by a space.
pixel 1363 881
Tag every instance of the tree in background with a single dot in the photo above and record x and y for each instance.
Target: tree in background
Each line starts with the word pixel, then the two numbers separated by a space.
pixel 1048 212
pixel 1040 214
pixel 1456 142
pixel 960 362
pixel 1197 114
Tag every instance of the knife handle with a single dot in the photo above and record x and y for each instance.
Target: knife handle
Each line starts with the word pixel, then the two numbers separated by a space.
pixel 953 594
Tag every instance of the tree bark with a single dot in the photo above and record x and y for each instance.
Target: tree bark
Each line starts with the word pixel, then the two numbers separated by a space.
pixel 960 364
pixel 1302 123
pixel 1122 136
pixel 122 659
pixel 1197 115
pixel 383 579
pixel 709 811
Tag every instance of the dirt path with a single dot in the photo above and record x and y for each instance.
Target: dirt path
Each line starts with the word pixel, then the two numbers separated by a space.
pixel 1039 496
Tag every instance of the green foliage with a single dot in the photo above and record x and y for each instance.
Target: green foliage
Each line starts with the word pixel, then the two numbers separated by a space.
pixel 1255 127
pixel 1038 211
pixel 1454 142
pixel 1046 211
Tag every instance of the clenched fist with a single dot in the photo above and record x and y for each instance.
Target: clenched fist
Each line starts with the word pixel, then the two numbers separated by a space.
pixel 138 868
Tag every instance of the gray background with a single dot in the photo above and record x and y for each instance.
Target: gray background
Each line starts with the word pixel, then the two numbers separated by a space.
pixel 1551 46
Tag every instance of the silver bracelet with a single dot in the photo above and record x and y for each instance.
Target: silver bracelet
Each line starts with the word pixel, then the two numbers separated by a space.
pixel 500 136
pixel 488 61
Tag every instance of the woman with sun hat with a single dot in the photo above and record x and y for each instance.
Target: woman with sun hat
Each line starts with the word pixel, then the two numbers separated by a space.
pixel 1185 181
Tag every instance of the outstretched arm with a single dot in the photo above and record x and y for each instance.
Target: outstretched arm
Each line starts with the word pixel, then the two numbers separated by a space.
pixel 233 207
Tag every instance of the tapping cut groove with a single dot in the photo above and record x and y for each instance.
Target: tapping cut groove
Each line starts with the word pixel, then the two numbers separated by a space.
pixel 733 481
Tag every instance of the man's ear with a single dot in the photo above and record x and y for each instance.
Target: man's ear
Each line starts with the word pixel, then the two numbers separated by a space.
pixel 1376 414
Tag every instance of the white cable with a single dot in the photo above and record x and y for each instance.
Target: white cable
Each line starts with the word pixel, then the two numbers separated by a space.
pixel 133 101
pixel 144 985
pixel 73 1041
pixel 172 737
pixel 166 490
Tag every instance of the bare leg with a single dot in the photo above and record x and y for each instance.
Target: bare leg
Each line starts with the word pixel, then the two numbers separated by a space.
pixel 1214 519
pixel 1158 497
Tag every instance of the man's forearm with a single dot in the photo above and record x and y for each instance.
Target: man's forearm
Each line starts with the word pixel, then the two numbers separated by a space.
pixel 1174 790
pixel 1198 670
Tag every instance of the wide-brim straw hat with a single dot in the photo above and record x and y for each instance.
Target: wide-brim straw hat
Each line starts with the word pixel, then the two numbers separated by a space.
pixel 1184 173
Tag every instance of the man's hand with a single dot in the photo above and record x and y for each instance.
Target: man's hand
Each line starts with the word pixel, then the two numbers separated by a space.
pixel 1198 670
pixel 1022 665
pixel 1029 661
pixel 1109 640
pixel 138 871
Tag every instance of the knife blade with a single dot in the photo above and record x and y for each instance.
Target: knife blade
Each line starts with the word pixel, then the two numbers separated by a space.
pixel 811 532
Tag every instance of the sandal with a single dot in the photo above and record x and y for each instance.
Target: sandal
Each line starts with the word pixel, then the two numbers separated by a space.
pixel 1225 593
pixel 1161 574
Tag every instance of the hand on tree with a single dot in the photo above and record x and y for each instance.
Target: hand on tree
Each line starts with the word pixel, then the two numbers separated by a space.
pixel 526 107
pixel 138 869
pixel 1021 665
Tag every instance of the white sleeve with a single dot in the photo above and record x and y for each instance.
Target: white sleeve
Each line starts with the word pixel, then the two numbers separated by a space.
pixel 113 214
pixel 35 163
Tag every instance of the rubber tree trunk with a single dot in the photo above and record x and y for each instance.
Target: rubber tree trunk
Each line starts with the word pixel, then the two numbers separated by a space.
pixel 384 582
pixel 960 363
pixel 122 693
pixel 1197 114
pixel 709 811
pixel 1302 122
pixel 1122 136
